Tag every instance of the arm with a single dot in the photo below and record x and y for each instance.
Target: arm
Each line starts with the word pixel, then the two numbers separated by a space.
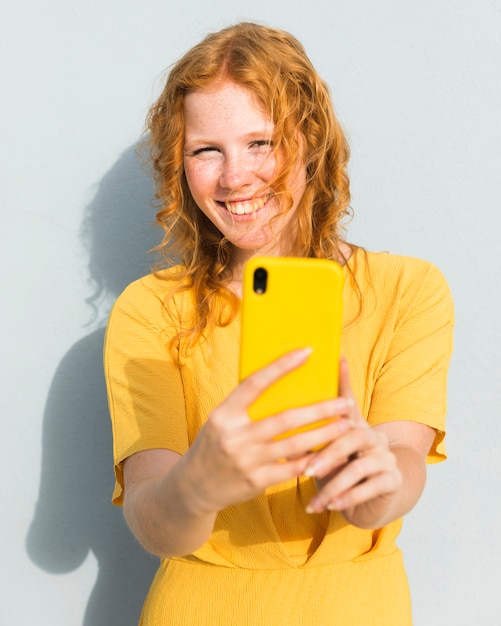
pixel 409 442
pixel 375 475
pixel 372 475
pixel 171 501
pixel 157 504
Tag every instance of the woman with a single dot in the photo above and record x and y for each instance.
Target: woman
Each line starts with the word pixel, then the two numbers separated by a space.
pixel 253 529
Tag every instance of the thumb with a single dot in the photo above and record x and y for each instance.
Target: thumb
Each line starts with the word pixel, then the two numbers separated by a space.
pixel 344 379
pixel 346 391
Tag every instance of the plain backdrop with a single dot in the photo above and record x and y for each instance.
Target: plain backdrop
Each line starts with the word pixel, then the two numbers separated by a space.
pixel 417 86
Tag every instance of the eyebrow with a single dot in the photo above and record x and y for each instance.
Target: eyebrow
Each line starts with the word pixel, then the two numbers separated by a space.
pixel 265 133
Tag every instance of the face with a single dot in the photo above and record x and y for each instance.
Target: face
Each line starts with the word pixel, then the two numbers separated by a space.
pixel 229 165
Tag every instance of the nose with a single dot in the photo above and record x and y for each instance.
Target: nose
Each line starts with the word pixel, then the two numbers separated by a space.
pixel 236 172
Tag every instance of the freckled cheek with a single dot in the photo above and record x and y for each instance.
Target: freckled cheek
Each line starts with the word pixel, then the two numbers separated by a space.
pixel 201 178
pixel 267 169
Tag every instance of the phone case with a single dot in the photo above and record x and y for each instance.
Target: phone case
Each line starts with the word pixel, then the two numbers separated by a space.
pixel 301 306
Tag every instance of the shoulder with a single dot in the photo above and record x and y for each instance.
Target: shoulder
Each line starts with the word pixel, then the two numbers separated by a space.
pixel 145 298
pixel 152 287
pixel 400 287
pixel 393 264
pixel 394 273
pixel 157 284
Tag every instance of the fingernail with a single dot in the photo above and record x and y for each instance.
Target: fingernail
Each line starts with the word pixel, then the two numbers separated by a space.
pixel 335 505
pixel 314 468
pixel 301 354
pixel 314 506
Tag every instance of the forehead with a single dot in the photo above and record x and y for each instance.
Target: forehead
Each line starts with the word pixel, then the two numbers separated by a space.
pixel 224 102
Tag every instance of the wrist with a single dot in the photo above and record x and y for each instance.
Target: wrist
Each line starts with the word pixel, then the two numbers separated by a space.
pixel 189 491
pixel 373 514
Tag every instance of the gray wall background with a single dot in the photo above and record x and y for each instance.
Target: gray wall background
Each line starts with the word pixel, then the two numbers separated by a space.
pixel 417 86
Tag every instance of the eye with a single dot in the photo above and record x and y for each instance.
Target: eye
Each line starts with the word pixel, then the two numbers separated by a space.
pixel 206 149
pixel 262 143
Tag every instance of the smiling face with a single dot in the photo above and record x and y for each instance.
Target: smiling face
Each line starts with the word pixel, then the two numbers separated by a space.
pixel 230 167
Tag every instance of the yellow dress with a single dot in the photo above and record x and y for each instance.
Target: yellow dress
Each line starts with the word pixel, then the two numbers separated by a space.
pixel 267 562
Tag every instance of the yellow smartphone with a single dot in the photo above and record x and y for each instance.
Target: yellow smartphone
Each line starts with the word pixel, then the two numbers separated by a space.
pixel 291 303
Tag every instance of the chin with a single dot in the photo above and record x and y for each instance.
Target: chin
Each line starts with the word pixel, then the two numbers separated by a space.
pixel 256 246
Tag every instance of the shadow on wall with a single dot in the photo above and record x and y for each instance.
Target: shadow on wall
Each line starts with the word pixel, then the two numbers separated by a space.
pixel 74 514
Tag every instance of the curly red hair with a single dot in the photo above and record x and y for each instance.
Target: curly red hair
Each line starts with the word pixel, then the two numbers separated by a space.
pixel 274 66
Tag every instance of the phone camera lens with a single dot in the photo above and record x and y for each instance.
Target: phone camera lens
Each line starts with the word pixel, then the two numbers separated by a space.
pixel 260 280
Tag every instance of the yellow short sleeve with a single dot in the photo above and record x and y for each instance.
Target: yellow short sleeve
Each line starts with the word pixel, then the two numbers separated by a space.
pixel 411 383
pixel 145 390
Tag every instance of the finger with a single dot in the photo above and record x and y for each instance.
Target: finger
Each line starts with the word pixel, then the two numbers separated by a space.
pixel 364 478
pixel 292 445
pixel 354 442
pixel 344 379
pixel 279 471
pixel 377 486
pixel 310 418
pixel 357 471
pixel 346 391
pixel 254 385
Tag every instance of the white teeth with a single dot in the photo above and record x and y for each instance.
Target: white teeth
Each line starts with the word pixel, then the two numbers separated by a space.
pixel 245 207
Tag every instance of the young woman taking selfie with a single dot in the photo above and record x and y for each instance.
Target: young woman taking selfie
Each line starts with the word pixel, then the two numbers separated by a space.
pixel 253 528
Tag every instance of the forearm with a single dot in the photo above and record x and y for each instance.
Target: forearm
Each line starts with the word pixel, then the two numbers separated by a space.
pixel 162 514
pixel 386 508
